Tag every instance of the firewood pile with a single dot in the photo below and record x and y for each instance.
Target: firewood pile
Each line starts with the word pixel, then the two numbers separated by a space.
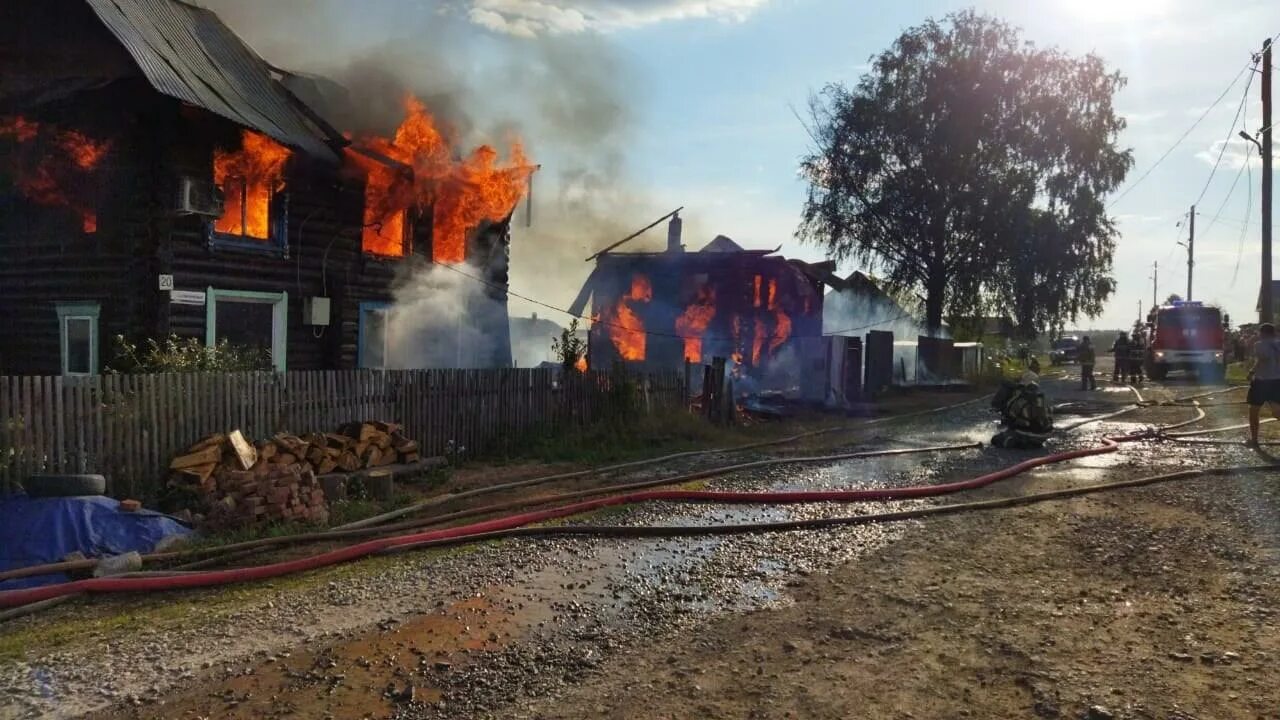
pixel 237 482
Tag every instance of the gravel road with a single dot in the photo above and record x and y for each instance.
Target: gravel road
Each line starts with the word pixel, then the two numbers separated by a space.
pixel 738 626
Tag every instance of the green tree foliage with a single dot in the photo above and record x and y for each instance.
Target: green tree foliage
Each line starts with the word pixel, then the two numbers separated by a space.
pixel 175 354
pixel 569 348
pixel 970 166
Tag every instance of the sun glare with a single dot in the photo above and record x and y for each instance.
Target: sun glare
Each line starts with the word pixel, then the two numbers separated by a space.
pixel 1114 10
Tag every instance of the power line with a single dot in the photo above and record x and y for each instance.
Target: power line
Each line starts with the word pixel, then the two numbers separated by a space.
pixel 1244 97
pixel 1183 137
pixel 1230 192
pixel 1244 228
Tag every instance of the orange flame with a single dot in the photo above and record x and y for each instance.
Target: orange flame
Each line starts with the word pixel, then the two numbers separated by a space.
pixel 625 327
pixel 44 183
pixel 693 322
pixel 581 364
pixel 462 193
pixel 248 178
pixel 757 285
pixel 781 330
pixel 757 341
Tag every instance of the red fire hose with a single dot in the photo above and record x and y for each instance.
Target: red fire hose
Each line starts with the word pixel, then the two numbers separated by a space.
pixel 14 598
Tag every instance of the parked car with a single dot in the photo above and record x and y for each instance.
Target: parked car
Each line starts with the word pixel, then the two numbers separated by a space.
pixel 1065 350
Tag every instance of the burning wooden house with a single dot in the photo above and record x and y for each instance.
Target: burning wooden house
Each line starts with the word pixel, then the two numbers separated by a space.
pixel 158 177
pixel 658 310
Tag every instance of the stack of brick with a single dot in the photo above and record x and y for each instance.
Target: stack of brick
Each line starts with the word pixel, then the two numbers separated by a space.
pixel 274 493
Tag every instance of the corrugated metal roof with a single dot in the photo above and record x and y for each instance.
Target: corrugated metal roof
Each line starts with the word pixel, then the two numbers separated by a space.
pixel 188 53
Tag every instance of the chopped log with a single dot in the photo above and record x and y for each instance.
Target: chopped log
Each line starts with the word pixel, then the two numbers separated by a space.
pixel 382 440
pixel 196 474
pixel 385 457
pixel 245 453
pixel 334 440
pixel 379 483
pixel 361 449
pixel 372 456
pixel 386 427
pixel 367 432
pixel 406 446
pixel 211 454
pixel 349 462
pixel 316 456
pixel 284 459
pixel 327 466
pixel 215 439
pixel 412 457
pixel 266 450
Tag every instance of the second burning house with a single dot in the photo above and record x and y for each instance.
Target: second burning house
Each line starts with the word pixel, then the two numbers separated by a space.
pixel 658 310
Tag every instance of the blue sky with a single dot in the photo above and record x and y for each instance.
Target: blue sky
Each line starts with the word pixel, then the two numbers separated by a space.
pixel 706 92
pixel 714 128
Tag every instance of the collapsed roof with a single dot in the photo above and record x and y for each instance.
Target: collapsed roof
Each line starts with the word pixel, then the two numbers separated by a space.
pixel 183 51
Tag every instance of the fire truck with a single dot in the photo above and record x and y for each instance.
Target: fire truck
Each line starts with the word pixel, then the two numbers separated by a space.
pixel 1187 335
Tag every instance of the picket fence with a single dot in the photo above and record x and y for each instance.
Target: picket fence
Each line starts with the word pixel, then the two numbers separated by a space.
pixel 127 427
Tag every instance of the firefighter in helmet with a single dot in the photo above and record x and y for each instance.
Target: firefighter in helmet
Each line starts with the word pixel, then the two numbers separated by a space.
pixel 1120 348
pixel 1137 352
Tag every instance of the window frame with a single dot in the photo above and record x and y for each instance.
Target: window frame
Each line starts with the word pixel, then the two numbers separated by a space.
pixel 90 311
pixel 277 242
pixel 367 307
pixel 279 319
pixel 406 241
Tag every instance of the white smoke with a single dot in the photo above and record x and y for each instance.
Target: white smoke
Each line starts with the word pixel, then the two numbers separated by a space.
pixel 855 314
pixel 443 319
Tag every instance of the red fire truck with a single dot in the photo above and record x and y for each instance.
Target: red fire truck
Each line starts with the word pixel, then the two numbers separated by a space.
pixel 1187 335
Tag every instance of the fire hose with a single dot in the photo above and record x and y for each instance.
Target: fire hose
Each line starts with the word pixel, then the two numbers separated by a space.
pixel 329 535
pixel 14 598
pixel 485 529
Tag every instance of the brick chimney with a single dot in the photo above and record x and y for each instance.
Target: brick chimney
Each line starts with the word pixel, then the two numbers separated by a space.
pixel 673 235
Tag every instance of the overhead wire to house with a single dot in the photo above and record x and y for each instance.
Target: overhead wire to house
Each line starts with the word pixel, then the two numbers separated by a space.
pixel 1231 191
pixel 1248 208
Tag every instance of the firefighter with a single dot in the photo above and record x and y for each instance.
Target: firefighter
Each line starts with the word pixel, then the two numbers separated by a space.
pixel 1088 357
pixel 1120 348
pixel 1137 354
pixel 1025 415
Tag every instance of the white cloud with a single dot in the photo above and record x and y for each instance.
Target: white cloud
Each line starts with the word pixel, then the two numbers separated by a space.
pixel 529 18
pixel 1233 156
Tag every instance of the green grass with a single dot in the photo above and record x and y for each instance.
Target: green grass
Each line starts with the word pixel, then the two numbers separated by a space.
pixel 1238 373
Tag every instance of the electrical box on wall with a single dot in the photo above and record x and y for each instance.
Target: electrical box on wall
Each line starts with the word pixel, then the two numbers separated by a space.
pixel 315 311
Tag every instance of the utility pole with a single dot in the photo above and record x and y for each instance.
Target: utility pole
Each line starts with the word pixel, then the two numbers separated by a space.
pixel 1155 284
pixel 1265 314
pixel 1191 251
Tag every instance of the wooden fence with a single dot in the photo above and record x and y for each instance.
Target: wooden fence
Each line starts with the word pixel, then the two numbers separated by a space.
pixel 127 427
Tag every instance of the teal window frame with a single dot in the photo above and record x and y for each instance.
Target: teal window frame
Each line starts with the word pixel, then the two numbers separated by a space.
pixel 279 318
pixel 371 307
pixel 79 311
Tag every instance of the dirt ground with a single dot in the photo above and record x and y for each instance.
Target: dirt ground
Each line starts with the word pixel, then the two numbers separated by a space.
pixel 1152 602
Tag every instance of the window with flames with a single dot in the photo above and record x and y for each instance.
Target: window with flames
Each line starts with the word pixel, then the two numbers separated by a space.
pixel 251 179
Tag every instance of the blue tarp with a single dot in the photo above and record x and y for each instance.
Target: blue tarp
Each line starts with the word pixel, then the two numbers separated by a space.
pixel 34 531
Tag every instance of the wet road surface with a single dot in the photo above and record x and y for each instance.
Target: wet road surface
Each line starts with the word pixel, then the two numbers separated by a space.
pixel 487 631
